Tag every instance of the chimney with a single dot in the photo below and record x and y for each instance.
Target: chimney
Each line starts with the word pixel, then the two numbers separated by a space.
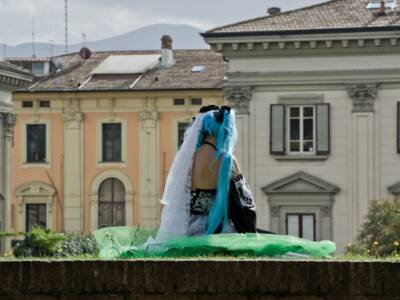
pixel 382 9
pixel 167 54
pixel 272 11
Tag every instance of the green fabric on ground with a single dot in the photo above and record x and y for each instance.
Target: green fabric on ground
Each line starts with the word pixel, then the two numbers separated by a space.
pixel 130 242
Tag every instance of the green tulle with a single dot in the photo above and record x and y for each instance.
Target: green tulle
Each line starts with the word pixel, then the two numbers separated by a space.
pixel 133 242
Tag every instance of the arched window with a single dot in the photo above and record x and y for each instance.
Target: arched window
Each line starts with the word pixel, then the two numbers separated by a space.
pixel 111 203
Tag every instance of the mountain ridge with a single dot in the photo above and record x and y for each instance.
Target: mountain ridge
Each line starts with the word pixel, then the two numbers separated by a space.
pixel 144 38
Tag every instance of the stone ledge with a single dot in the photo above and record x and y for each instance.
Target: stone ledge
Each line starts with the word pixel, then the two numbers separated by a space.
pixel 202 279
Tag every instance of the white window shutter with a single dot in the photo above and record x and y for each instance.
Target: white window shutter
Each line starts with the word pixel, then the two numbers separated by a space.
pixel 323 129
pixel 277 129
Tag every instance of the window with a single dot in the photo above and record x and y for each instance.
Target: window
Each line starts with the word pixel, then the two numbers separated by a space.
pixel 301 225
pixel 111 203
pixel 35 216
pixel 27 104
pixel 36 143
pixel 300 129
pixel 179 101
pixel 182 126
pixel 197 101
pixel 44 103
pixel 112 142
pixel 38 68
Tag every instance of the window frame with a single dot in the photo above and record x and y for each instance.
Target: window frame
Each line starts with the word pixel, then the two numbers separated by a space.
pixel 99 147
pixel 301 130
pixel 114 152
pixel 28 144
pixel 24 144
pixel 37 211
pixel 301 215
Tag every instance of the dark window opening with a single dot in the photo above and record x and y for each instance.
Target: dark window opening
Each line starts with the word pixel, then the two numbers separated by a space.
pixel 179 101
pixel 27 104
pixel 111 203
pixel 182 126
pixel 36 215
pixel 301 225
pixel 44 103
pixel 112 142
pixel 197 101
pixel 36 143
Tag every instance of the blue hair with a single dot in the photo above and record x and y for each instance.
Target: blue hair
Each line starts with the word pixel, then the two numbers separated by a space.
pixel 225 134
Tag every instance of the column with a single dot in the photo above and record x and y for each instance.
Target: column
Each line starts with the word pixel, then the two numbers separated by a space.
pixel 239 99
pixel 149 151
pixel 362 154
pixel 73 167
pixel 9 121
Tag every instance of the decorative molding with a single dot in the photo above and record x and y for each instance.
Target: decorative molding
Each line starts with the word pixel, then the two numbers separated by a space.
pixel 310 43
pixel 312 185
pixel 239 98
pixel 363 96
pixel 72 114
pixel 274 211
pixel 10 120
pixel 326 211
pixel 149 115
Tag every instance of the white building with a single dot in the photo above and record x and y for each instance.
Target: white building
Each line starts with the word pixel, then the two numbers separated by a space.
pixel 318 92
pixel 11 78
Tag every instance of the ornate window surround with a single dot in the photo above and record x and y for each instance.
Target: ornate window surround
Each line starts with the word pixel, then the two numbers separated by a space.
pixel 99 144
pixel 35 193
pixel 301 193
pixel 23 148
pixel 94 196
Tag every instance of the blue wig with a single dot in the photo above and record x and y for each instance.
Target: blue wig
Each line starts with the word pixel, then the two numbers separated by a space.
pixel 225 134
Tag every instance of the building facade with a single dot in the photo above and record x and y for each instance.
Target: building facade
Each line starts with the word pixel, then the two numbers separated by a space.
pixel 11 78
pixel 318 93
pixel 94 141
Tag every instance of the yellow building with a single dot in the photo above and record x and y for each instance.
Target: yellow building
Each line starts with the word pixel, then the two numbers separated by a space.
pixel 95 139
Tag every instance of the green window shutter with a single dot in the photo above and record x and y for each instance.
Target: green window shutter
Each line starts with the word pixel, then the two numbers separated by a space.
pixel 277 129
pixel 323 129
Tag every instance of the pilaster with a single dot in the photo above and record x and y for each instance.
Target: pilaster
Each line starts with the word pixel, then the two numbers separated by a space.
pixel 149 165
pixel 363 153
pixel 73 166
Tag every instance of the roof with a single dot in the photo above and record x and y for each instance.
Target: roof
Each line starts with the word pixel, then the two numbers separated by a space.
pixel 76 73
pixel 28 59
pixel 334 15
pixel 9 67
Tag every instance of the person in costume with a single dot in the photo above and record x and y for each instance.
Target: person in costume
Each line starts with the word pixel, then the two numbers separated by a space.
pixel 205 195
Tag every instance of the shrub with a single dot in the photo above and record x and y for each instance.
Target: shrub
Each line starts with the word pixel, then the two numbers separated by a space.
pixel 380 234
pixel 39 243
pixel 76 244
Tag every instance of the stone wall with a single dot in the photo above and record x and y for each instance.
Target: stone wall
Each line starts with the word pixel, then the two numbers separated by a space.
pixel 199 280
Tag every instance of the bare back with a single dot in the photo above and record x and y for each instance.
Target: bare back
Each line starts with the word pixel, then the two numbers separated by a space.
pixel 205 169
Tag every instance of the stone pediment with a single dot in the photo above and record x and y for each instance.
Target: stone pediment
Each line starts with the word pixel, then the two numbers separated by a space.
pixel 35 189
pixel 395 189
pixel 300 183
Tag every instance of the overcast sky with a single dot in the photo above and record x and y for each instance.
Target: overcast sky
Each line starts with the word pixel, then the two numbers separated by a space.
pixel 105 18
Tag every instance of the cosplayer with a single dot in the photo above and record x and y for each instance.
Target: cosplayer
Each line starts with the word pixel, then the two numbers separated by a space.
pixel 208 206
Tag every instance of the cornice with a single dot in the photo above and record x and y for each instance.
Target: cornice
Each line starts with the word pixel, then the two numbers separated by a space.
pixel 298 42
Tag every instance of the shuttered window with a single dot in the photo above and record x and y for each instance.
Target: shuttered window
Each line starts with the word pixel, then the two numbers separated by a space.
pixel 112 142
pixel 300 129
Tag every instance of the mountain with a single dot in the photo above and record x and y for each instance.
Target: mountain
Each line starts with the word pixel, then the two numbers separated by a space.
pixel 149 37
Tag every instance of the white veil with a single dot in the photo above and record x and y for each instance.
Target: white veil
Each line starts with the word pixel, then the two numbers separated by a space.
pixel 176 197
